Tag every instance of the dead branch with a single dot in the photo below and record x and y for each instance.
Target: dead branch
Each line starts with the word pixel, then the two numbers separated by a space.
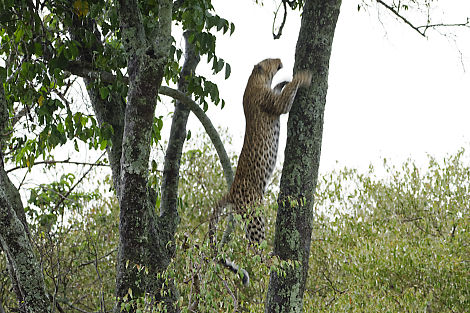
pixel 421 29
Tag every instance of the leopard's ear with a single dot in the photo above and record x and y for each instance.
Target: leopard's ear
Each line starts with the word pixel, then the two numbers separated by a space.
pixel 257 68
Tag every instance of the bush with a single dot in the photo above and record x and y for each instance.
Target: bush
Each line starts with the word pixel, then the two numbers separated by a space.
pixel 395 242
pixel 398 243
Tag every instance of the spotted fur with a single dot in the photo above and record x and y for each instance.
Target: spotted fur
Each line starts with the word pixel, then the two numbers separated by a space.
pixel 262 106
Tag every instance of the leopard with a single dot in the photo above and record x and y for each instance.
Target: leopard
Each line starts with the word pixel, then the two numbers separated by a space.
pixel 262 106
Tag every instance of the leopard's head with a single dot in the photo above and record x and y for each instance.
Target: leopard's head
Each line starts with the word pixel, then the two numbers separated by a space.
pixel 266 69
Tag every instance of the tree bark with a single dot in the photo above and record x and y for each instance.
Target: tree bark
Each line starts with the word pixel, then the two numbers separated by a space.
pixel 302 158
pixel 25 272
pixel 168 208
pixel 143 247
pixel 111 111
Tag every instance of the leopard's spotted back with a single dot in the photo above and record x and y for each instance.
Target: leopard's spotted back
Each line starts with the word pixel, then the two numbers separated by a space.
pixel 262 107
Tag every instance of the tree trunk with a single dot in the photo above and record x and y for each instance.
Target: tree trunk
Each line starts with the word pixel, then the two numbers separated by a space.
pixel 302 158
pixel 168 208
pixel 25 272
pixel 155 253
pixel 143 246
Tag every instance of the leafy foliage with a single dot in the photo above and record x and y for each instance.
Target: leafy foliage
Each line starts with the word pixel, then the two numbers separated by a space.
pixel 42 44
pixel 76 243
pixel 390 243
pixel 398 243
pixel 393 244
pixel 44 47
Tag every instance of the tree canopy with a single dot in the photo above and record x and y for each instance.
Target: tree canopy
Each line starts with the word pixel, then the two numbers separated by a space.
pixel 87 75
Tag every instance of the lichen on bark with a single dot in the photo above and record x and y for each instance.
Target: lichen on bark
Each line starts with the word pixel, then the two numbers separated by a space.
pixel 25 272
pixel 302 157
pixel 143 242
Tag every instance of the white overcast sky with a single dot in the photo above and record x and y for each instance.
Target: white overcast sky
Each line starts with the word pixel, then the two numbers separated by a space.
pixel 392 93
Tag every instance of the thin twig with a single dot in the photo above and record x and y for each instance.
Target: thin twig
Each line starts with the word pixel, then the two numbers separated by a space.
pixel 76 184
pixel 422 28
pixel 76 308
pixel 48 162
pixel 426 27
pixel 234 298
pixel 411 219
pixel 192 305
pixel 400 17
pixel 281 27
pixel 18 116
pixel 95 261
pixel 99 259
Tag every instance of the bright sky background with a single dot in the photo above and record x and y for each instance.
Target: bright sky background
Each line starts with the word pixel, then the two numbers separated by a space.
pixel 392 93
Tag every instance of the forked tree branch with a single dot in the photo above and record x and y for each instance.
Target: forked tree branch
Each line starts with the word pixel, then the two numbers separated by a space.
pixel 77 183
pixel 82 70
pixel 292 4
pixel 422 29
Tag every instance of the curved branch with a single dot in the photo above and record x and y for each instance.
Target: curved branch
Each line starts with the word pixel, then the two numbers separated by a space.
pixel 81 70
pixel 51 162
pixel 279 33
pixel 208 126
pixel 292 4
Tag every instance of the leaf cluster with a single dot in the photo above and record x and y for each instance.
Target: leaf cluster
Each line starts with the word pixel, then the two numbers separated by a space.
pixel 394 242
pixel 397 243
pixel 76 243
pixel 43 43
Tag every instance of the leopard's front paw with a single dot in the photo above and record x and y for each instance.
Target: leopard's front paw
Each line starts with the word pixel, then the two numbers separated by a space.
pixel 304 78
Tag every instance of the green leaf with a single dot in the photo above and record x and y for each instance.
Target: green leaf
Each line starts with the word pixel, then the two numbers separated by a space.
pixel 228 70
pixel 103 144
pixel 232 28
pixel 73 45
pixel 19 33
pixel 104 92
pixel 217 65
pixel 37 49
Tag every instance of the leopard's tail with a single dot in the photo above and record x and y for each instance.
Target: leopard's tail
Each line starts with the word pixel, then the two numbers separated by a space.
pixel 233 267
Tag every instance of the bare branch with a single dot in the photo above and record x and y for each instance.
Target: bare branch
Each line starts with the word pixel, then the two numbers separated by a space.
pixel 99 259
pixel 426 27
pixel 281 27
pixel 391 9
pixel 208 126
pixel 50 162
pixel 76 184
pixel 422 29
pixel 18 116
pixel 234 298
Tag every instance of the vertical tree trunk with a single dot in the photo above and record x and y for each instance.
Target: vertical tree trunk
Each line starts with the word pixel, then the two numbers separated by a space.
pixel 168 208
pixel 152 254
pixel 143 253
pixel 25 272
pixel 302 158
